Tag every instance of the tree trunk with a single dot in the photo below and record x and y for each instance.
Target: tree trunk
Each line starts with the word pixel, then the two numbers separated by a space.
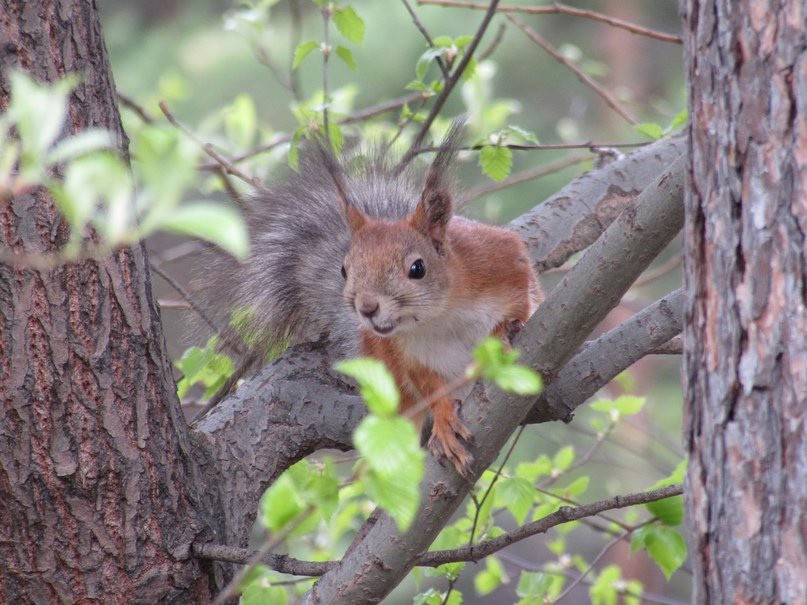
pixel 98 495
pixel 746 315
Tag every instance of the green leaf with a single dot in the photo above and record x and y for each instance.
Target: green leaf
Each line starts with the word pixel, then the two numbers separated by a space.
pixel 679 120
pixel 263 594
pixel 86 141
pixel 603 591
pixel 563 458
pixel 517 495
pixel 98 188
pixel 349 24
pixel 669 511
pixel 38 110
pixel 391 448
pixel 241 121
pixel 627 405
pixel 280 504
pixel 215 223
pixel 519 380
pixel 576 487
pixel 294 147
pixel 302 51
pixel 316 485
pixel 532 471
pixel 376 384
pixel 490 578
pixel 435 597
pixel 496 162
pixel 165 163
pixel 532 586
pixel 203 365
pixel 650 130
pixel 665 546
pixel 346 55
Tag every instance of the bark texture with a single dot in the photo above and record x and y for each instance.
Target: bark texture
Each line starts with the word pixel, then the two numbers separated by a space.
pixel 746 311
pixel 97 496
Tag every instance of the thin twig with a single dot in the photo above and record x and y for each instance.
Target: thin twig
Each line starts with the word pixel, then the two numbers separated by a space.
pixel 563 9
pixel 294 40
pixel 358 116
pixel 492 483
pixel 592 146
pixel 581 75
pixel 523 176
pixel 449 86
pixel 288 565
pixel 494 44
pixel 660 271
pixel 270 543
pixel 526 565
pixel 616 540
pixel 157 268
pixel 228 167
pixel 130 103
pixel 429 40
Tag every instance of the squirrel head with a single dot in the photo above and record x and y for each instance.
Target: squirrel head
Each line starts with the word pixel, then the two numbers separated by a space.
pixel 398 273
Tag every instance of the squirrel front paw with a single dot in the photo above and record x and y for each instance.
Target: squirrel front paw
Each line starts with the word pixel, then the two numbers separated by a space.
pixel 444 442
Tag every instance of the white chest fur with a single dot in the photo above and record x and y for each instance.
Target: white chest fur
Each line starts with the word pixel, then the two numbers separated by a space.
pixel 445 344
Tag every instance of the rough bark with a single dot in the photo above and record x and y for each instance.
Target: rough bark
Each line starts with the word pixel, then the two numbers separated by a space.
pixel 746 310
pixel 98 500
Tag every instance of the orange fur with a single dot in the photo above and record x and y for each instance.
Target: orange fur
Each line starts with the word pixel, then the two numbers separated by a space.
pixel 485 270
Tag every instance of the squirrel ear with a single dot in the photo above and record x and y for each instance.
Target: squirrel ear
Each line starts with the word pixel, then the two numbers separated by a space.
pixel 355 218
pixel 431 216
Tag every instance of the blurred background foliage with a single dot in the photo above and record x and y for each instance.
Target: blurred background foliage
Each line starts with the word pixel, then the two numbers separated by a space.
pixel 200 58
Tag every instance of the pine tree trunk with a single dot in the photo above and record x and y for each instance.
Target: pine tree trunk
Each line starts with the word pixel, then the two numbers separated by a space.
pixel 98 494
pixel 746 280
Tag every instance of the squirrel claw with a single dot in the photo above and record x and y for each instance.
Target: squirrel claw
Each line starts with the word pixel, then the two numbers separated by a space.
pixel 444 443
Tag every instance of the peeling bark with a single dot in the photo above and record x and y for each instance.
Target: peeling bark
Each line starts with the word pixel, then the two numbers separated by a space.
pixel 98 498
pixel 746 312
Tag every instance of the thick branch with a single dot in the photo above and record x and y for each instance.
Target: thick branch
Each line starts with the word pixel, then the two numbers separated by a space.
pixel 576 215
pixel 376 563
pixel 291 408
pixel 604 358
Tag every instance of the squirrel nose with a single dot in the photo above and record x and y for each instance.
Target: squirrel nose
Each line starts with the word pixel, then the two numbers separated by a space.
pixel 368 308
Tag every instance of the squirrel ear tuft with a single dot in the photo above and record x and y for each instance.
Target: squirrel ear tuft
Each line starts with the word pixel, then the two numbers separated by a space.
pixel 354 217
pixel 435 207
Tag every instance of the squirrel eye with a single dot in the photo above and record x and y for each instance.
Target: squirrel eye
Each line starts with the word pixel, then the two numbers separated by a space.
pixel 344 272
pixel 417 270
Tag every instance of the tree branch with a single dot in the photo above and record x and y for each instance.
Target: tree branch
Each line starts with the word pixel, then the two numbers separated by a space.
pixel 601 360
pixel 562 515
pixel 289 565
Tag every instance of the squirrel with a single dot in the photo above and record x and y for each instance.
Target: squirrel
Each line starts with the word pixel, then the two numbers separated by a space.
pixel 376 259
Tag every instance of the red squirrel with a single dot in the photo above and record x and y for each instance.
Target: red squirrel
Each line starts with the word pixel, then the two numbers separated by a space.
pixel 418 289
